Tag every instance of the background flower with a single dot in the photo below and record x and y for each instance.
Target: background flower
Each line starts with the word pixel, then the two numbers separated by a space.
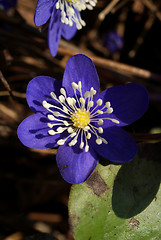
pixel 113 41
pixel 64 17
pixel 83 122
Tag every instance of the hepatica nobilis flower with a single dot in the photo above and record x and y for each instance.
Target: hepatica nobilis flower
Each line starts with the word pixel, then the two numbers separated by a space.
pixel 113 41
pixel 65 18
pixel 84 123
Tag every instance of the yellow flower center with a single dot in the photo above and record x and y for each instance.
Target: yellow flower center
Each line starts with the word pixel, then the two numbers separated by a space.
pixel 80 118
pixel 72 1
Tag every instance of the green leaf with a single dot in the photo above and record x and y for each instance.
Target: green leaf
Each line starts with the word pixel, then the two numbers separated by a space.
pixel 119 202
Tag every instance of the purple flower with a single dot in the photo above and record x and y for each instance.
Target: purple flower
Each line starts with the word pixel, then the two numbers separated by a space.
pixel 64 17
pixel 84 123
pixel 113 41
pixel 6 4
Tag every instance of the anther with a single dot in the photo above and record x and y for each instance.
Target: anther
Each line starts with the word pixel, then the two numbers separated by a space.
pixel 99 141
pixel 81 145
pixel 51 117
pixel 90 104
pixel 61 129
pixel 100 130
pixel 74 85
pixel 100 112
pixel 86 148
pixel 61 142
pixel 99 102
pixel 53 95
pixel 52 132
pixel 63 92
pixel 89 135
pixel 100 122
pixel 87 94
pixel 109 110
pixel 62 98
pixel 108 104
pixel 79 85
pixel 70 130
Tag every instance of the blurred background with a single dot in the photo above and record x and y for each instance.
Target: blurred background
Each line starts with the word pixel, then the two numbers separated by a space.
pixel 123 38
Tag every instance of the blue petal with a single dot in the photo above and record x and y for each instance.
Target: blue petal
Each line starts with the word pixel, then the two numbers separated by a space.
pixel 121 147
pixel 80 68
pixel 74 164
pixel 43 11
pixel 33 132
pixel 54 32
pixel 39 89
pixel 68 32
pixel 129 103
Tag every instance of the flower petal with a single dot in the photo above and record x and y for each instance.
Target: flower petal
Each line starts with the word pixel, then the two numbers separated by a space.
pixel 33 132
pixel 74 164
pixel 121 147
pixel 68 31
pixel 80 68
pixel 39 89
pixel 129 102
pixel 43 11
pixel 54 32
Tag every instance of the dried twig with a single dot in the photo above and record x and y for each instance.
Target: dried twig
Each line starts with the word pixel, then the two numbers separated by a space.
pixel 6 84
pixel 105 11
pixel 116 66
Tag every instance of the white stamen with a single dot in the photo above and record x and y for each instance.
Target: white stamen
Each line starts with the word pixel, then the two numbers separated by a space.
pixel 70 101
pixel 61 142
pixel 46 105
pixel 63 92
pixel 65 110
pixel 100 122
pixel 86 128
pixel 87 94
pixel 73 142
pixel 100 130
pixel 115 121
pixel 70 130
pixel 82 100
pixel 108 104
pixel 51 117
pixel 61 129
pixel 99 141
pixel 89 135
pixel 57 114
pixel 66 123
pixel 90 104
pixel 74 85
pixel 92 91
pixel 86 148
pixel 81 145
pixel 99 102
pixel 53 95
pixel 57 5
pixel 104 141
pixel 99 112
pixel 62 98
pixel 79 85
pixel 52 132
pixel 109 110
